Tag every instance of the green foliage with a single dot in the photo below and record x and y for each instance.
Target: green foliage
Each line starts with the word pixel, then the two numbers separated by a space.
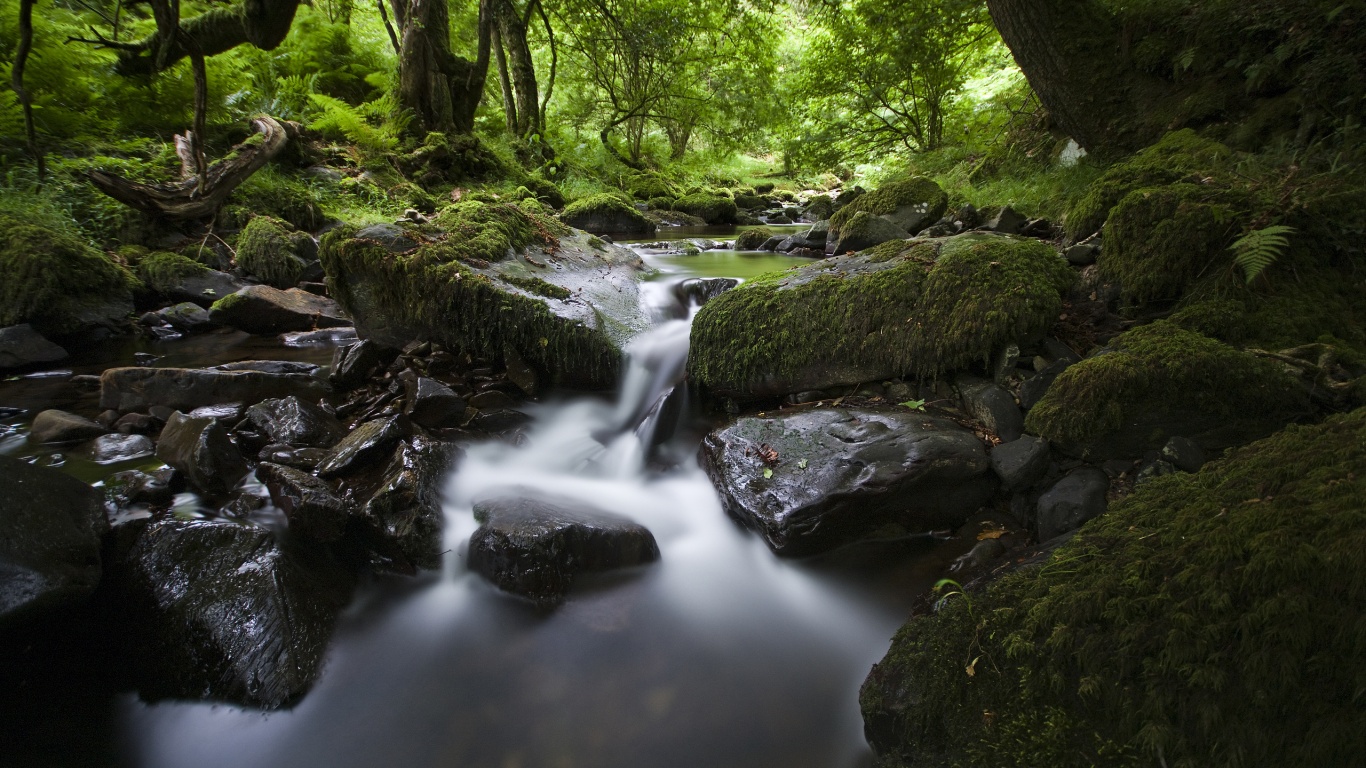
pixel 270 249
pixel 161 271
pixel 1209 619
pixel 1258 249
pixel 354 124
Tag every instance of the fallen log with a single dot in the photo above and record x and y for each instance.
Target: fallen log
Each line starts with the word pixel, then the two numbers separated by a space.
pixel 189 198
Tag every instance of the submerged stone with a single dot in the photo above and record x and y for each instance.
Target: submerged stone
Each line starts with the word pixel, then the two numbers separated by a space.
pixel 57 426
pixel 497 276
pixel 920 308
pixel 812 480
pixel 536 549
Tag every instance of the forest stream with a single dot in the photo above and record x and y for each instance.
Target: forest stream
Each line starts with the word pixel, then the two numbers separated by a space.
pixel 719 654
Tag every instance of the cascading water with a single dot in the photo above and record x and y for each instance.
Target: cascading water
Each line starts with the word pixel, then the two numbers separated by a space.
pixel 718 654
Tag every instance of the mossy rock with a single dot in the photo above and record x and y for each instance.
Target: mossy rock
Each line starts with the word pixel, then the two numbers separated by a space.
pixel 911 204
pixel 763 187
pixel 932 307
pixel 488 277
pixel 1178 155
pixel 162 271
pixel 271 193
pixel 864 230
pixel 751 202
pixel 273 251
pixel 710 207
pixel 1211 619
pixel 751 239
pixel 606 214
pixel 53 280
pixel 1158 381
pixel 1160 240
pixel 644 186
pixel 452 158
pixel 545 191
pixel 660 203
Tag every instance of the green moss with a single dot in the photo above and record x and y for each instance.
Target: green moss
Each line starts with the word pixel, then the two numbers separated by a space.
pixel 711 208
pixel 1211 620
pixel 50 276
pixel 1222 319
pixel 272 193
pixel 538 286
pixel 228 302
pixel 934 307
pixel 763 187
pixel 270 249
pixel 891 197
pixel 750 201
pixel 751 239
pixel 1159 240
pixel 644 186
pixel 887 251
pixel 1161 374
pixel 613 209
pixel 661 203
pixel 161 271
pixel 1177 155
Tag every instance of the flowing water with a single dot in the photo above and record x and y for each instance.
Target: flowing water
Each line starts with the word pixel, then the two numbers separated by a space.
pixel 720 654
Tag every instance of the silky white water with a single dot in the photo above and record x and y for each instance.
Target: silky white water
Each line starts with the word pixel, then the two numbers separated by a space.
pixel 719 654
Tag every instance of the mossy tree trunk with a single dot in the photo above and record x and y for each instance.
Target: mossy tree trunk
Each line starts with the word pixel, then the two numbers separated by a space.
pixel 520 92
pixel 1074 55
pixel 441 89
pixel 261 23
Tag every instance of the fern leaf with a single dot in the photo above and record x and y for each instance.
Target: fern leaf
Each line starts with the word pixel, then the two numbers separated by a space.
pixel 1260 248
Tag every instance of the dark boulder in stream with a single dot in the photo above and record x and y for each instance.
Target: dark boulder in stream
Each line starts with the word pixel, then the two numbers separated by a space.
pixel 311 504
pixel 50 528
pixel 536 549
pixel 22 347
pixel 296 422
pixel 261 309
pixel 222 610
pixel 812 480
pixel 201 449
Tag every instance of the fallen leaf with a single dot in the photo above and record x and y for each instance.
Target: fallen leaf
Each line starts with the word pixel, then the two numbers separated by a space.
pixel 767 473
pixel 972 667
pixel 801 464
pixel 995 533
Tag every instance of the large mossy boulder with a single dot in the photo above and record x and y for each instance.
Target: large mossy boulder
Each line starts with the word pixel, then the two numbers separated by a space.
pixel 1159 240
pixel 815 479
pixel 1160 380
pixel 53 280
pixel 606 215
pixel 223 610
pixel 179 278
pixel 490 277
pixel 710 207
pixel 910 205
pixel 50 529
pixel 918 308
pixel 1211 619
pixel 1177 156
pixel 863 230
pixel 274 251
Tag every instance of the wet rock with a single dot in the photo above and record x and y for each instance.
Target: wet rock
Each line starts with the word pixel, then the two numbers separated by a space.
pixel 772 243
pixel 1153 470
pixel 50 528
pixel 352 365
pixel 979 557
pixel 342 335
pixel 203 288
pixel 404 513
pixel 228 413
pixel 136 424
pixel 1020 463
pixel 223 611
pixel 492 399
pixel 520 373
pixel 270 366
pixel 201 450
pixel 299 458
pixel 812 480
pixel 1184 454
pixel 1033 389
pixel 21 348
pixel 1081 255
pixel 108 449
pixel 390 237
pixel 699 290
pixel 536 549
pixel 498 420
pixel 1079 496
pixel 55 426
pixel 295 422
pixel 139 389
pixel 261 309
pixel 186 317
pixel 366 444
pixel 433 404
pixel 131 487
pixel 992 406
pixel 311 504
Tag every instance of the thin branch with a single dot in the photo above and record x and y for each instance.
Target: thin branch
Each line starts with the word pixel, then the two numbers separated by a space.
pixel 17 83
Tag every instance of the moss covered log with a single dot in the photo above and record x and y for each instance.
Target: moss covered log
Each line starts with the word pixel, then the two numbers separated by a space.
pixel 907 308
pixel 1210 620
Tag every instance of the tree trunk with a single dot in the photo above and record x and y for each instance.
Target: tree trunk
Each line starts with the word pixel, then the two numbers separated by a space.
pixel 504 82
pixel 261 23
pixel 679 133
pixel 17 83
pixel 1071 53
pixel 512 29
pixel 441 89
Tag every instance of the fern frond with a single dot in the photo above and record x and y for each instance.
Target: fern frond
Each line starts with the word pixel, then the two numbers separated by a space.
pixel 1260 248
